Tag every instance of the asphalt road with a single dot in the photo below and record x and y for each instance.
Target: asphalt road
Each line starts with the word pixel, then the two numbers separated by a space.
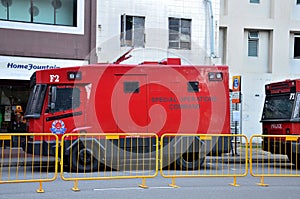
pixel 279 187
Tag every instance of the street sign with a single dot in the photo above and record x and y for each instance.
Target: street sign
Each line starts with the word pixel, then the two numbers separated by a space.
pixel 236 89
pixel 236 83
pixel 236 97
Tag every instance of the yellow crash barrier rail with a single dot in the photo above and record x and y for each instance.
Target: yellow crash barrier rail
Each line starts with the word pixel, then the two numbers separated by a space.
pixel 93 156
pixel 107 156
pixel 274 156
pixel 194 155
pixel 23 162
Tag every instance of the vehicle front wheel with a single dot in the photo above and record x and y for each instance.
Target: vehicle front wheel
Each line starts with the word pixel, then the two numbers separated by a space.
pixel 83 160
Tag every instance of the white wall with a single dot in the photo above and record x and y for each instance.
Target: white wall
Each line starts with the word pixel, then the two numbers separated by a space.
pixel 253 96
pixel 276 21
pixel 252 102
pixel 294 63
pixel 156 15
pixel 295 14
pixel 259 64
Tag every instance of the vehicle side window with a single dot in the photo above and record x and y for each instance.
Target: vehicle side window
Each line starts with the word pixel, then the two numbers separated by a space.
pixel 67 99
pixel 297 107
pixel 193 86
pixel 131 87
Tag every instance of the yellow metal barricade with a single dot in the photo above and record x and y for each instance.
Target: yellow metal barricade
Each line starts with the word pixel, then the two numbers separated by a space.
pixel 194 155
pixel 94 156
pixel 273 156
pixel 21 161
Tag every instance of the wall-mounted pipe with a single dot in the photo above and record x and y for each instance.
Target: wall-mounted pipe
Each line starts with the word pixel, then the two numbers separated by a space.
pixel 212 29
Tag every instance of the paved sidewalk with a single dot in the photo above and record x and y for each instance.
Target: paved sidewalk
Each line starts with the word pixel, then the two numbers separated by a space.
pixel 17 157
pixel 258 155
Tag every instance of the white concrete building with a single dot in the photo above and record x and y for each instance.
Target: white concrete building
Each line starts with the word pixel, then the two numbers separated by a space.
pixel 259 40
pixel 192 35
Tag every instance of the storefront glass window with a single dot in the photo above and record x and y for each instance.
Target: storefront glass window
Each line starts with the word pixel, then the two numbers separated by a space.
pixel 54 12
pixel 13 101
pixel 18 11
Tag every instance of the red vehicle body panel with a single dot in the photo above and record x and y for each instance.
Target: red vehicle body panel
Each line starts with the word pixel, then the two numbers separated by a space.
pixel 161 104
pixel 281 116
pixel 282 126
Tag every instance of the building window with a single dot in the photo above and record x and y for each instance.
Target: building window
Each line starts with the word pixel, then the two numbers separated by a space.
pixel 297 46
pixel 253 41
pixel 55 12
pixel 132 31
pixel 179 33
pixel 254 1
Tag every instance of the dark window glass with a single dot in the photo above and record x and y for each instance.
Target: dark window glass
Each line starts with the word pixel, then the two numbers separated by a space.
pixel 253 43
pixel 131 87
pixel 193 86
pixel 278 107
pixel 179 33
pixel 297 107
pixel 36 101
pixel 54 12
pixel 67 99
pixel 297 47
pixel 132 31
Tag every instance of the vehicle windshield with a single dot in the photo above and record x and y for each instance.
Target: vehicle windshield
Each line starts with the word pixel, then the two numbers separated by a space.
pixel 35 102
pixel 296 114
pixel 278 107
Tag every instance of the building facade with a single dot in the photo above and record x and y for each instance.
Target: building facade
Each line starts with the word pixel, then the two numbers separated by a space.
pixel 42 34
pixel 157 30
pixel 259 40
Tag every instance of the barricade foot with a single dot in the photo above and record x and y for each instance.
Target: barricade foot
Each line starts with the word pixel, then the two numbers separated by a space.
pixel 173 184
pixel 234 184
pixel 143 185
pixel 40 190
pixel 75 188
pixel 262 183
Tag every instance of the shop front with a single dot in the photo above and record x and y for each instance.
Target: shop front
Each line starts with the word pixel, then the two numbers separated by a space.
pixel 13 100
pixel 14 87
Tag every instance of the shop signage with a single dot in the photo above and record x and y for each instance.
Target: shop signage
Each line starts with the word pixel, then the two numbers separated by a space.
pixel 30 66
pixel 21 68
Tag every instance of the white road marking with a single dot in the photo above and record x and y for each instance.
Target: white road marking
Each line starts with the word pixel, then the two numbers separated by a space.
pixel 130 188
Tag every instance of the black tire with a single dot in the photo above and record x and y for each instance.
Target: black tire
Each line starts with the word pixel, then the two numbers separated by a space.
pixel 190 161
pixel 295 159
pixel 83 160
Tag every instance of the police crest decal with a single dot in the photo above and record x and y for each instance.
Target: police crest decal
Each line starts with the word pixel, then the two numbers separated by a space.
pixel 58 127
